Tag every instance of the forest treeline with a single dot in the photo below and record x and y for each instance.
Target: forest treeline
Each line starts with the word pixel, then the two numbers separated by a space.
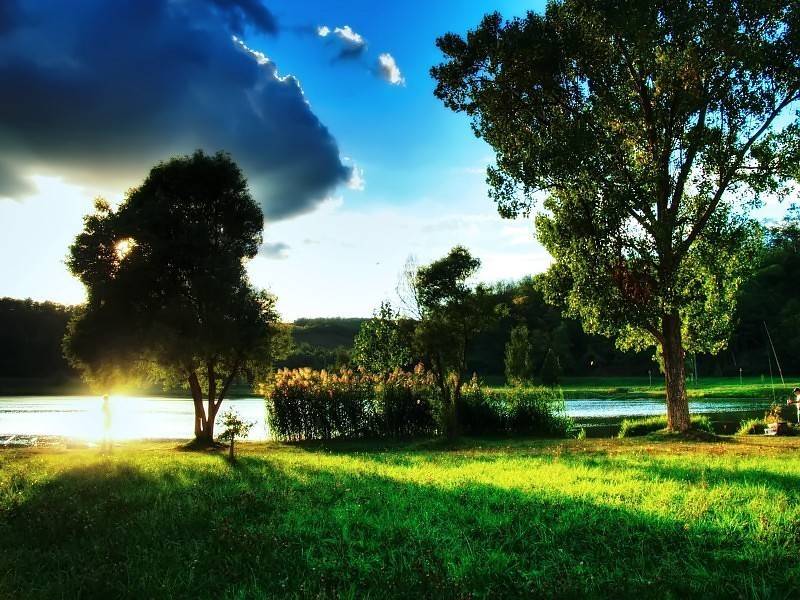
pixel 31 332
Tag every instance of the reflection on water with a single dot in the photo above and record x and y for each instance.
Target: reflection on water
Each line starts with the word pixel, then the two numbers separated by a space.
pixel 128 417
pixel 170 418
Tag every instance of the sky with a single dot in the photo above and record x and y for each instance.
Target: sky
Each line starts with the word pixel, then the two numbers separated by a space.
pixel 327 106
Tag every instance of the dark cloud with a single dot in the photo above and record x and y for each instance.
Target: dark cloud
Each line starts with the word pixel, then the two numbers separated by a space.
pixel 12 185
pixel 98 93
pixel 276 250
pixel 240 13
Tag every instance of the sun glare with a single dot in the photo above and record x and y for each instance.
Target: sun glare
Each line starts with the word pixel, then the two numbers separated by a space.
pixel 123 247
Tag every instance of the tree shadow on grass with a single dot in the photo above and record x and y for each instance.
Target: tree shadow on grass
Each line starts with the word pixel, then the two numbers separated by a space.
pixel 711 474
pixel 200 529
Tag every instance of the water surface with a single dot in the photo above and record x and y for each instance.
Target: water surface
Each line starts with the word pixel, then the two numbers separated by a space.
pixel 81 417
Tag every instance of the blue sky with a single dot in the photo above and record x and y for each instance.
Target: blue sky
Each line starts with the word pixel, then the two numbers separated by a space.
pixel 119 86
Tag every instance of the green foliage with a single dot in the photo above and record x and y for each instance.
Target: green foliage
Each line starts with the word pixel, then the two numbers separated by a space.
pixel 406 404
pixel 652 128
pixel 168 294
pixel 645 425
pixel 315 357
pixel 380 346
pixel 551 369
pixel 488 519
pixel 519 362
pixel 752 427
pixel 235 427
pixel 306 405
pixel 30 339
pixel 516 410
pixel 328 333
pixel 450 313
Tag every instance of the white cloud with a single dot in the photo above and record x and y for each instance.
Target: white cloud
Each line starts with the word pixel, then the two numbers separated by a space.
pixel 357 181
pixel 351 44
pixel 389 71
pixel 348 35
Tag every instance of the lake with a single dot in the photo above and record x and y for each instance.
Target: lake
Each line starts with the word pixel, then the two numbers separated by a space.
pixel 81 417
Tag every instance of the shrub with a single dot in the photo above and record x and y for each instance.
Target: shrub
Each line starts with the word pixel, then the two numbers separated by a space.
pixel 405 404
pixel 306 405
pixel 303 404
pixel 518 410
pixel 645 425
pixel 751 427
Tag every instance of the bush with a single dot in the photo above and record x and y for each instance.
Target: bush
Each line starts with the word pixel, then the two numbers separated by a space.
pixel 404 404
pixel 307 405
pixel 643 426
pixel 518 410
pixel 752 427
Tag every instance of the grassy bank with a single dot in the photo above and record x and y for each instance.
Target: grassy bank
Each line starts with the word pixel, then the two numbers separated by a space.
pixel 621 518
pixel 710 387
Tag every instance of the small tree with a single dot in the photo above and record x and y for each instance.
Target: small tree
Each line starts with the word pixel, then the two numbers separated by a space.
pixel 519 363
pixel 168 293
pixel 379 346
pixel 235 427
pixel 450 312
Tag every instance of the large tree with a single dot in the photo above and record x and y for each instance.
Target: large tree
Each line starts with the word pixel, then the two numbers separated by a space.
pixel 168 294
pixel 650 128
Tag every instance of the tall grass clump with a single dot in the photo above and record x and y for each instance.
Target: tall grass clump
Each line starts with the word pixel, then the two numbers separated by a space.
pixel 751 427
pixel 517 411
pixel 405 404
pixel 645 425
pixel 303 404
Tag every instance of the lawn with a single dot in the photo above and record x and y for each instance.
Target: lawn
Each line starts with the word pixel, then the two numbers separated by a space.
pixel 590 518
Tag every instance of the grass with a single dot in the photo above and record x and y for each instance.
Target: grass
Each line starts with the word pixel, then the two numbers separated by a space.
pixel 620 388
pixel 645 425
pixel 595 518
pixel 752 427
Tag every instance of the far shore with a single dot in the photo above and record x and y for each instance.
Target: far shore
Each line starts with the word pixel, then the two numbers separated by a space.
pixel 574 388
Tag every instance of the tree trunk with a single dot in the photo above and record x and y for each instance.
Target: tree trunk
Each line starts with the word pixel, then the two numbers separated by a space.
pixel 674 373
pixel 231 448
pixel 202 433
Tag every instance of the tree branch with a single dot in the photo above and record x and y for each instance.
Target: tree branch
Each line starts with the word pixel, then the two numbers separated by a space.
pixel 226 384
pixel 686 167
pixel 791 96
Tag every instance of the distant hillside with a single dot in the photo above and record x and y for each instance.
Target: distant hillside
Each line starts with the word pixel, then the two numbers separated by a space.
pixel 328 333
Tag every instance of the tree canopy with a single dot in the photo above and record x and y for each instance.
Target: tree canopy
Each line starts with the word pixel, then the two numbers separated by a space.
pixel 381 346
pixel 168 294
pixel 650 129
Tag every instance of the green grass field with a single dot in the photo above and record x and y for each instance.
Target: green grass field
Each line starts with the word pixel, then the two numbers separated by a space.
pixel 593 518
